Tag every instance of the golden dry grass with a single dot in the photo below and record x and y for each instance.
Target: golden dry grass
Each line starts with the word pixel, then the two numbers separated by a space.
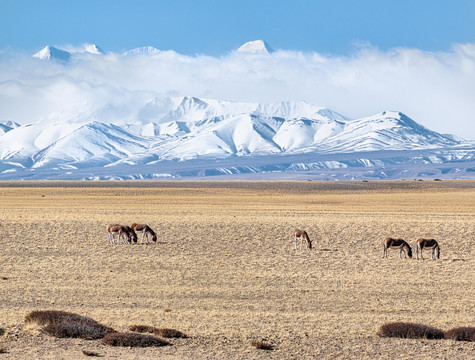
pixel 225 271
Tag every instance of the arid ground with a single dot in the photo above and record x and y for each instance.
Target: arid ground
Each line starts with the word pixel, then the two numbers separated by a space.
pixel 225 270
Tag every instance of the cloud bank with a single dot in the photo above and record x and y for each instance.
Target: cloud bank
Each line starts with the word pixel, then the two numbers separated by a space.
pixel 437 89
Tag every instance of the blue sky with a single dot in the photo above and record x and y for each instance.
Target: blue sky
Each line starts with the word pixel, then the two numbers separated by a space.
pixel 216 27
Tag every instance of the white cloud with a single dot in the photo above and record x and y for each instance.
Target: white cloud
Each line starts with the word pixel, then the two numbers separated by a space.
pixel 434 88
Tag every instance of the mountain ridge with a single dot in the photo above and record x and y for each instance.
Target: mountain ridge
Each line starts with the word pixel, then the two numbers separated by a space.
pixel 190 128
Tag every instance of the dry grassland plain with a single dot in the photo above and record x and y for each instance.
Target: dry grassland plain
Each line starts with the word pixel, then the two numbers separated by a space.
pixel 225 271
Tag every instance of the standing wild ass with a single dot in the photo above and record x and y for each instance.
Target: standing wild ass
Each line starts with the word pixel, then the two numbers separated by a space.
pixel 390 243
pixel 422 244
pixel 302 235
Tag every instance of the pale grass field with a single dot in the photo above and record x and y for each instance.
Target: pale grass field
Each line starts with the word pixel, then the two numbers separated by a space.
pixel 225 271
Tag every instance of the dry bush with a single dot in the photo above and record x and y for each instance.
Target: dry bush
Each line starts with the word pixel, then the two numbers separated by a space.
pixel 91 353
pixel 133 340
pixel 83 330
pixel 262 345
pixel 410 331
pixel 166 333
pixel 461 334
pixel 169 333
pixel 45 317
pixel 142 328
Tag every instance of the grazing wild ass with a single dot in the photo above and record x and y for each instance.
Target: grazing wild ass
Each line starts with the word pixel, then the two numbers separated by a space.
pixel 396 244
pixel 302 235
pixel 124 232
pixel 422 244
pixel 145 230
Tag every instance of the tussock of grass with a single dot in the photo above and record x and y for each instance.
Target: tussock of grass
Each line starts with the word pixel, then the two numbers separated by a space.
pixel 82 330
pixel 461 334
pixel 410 331
pixel 133 340
pixel 262 345
pixel 166 333
pixel 169 333
pixel 142 328
pixel 45 317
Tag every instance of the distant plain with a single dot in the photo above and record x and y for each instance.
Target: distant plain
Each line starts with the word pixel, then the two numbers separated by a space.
pixel 225 270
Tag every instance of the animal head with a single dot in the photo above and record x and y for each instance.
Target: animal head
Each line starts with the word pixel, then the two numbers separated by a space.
pixel 154 238
pixel 309 243
pixel 409 251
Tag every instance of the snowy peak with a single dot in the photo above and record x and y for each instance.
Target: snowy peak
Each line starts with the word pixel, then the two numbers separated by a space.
pixel 256 47
pixel 52 53
pixel 93 49
pixel 145 50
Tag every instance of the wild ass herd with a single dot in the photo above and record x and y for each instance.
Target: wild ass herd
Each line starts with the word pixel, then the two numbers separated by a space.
pixel 128 234
pixel 404 247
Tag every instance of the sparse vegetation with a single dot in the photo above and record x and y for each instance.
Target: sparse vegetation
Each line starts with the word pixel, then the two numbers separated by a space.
pixel 133 340
pixel 410 331
pixel 166 333
pixel 169 333
pixel 262 345
pixel 84 330
pixel 45 317
pixel 142 328
pixel 91 353
pixel 461 334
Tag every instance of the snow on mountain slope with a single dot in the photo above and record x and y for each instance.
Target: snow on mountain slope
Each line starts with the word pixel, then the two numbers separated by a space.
pixel 188 128
pixel 94 142
pixel 145 50
pixel 6 126
pixel 52 53
pixel 256 47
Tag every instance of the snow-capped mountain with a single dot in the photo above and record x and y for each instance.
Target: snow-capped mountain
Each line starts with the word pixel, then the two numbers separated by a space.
pixel 145 50
pixel 53 53
pixel 277 137
pixel 256 47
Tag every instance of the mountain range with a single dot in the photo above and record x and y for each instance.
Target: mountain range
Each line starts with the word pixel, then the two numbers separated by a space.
pixel 189 137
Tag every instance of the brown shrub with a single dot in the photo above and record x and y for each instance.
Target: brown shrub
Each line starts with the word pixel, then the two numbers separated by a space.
pixel 166 333
pixel 142 328
pixel 461 334
pixel 133 340
pixel 45 317
pixel 169 333
pixel 410 331
pixel 84 330
pixel 262 345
